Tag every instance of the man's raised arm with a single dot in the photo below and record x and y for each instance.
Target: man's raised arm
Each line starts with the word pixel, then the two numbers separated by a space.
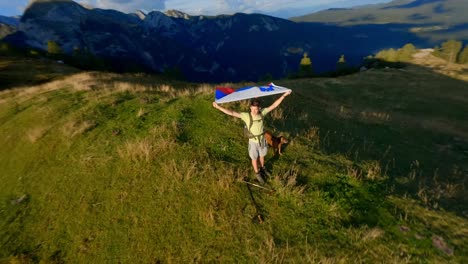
pixel 226 111
pixel 278 101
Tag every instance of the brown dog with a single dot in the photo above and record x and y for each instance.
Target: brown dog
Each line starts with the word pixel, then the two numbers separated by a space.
pixel 275 142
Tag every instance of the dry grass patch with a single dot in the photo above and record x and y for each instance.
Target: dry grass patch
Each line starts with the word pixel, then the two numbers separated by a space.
pixel 36 133
pixel 277 114
pixel 138 151
pixel 285 183
pixel 141 112
pixel 130 87
pixel 374 170
pixel 204 89
pixel 74 128
pixel 146 149
pixel 374 117
pixel 166 131
pixel 373 234
pixel 425 58
pixel 183 170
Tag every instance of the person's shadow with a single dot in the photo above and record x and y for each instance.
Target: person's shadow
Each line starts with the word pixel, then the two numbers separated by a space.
pixel 270 162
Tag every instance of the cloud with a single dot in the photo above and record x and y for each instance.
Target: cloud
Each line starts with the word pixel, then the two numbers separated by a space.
pixel 127 6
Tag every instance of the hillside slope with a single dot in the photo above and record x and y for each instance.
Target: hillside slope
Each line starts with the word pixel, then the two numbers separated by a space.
pixel 436 19
pixel 6 30
pixel 99 167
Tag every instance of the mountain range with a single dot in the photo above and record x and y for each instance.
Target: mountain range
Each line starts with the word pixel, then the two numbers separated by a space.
pixel 239 47
pixel 11 21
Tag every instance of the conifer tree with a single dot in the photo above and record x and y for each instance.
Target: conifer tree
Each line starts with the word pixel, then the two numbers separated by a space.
pixel 53 48
pixel 392 55
pixel 450 50
pixel 305 68
pixel 437 52
pixel 463 57
pixel 387 55
pixel 341 64
pixel 4 47
pixel 406 52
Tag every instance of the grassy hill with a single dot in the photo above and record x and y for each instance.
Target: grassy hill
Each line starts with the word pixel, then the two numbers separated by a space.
pixel 436 19
pixel 106 168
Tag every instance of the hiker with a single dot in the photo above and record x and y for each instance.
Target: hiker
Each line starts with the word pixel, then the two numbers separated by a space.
pixel 254 122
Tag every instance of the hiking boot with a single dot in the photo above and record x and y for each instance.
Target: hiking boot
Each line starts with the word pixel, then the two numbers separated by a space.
pixel 259 177
pixel 263 172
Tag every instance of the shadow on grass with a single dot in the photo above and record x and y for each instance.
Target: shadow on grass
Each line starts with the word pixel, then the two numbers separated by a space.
pixel 260 213
pixel 424 124
pixel 18 71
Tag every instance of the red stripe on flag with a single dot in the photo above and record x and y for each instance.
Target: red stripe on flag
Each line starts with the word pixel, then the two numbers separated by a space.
pixel 225 90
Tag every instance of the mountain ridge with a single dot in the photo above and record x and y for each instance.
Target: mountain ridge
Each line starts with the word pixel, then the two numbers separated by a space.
pixel 218 48
pixel 436 17
pixel 11 21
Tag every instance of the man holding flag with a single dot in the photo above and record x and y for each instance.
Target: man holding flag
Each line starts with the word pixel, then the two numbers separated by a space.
pixel 254 122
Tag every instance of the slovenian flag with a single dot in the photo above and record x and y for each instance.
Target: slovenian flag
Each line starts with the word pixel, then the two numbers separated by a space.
pixel 227 94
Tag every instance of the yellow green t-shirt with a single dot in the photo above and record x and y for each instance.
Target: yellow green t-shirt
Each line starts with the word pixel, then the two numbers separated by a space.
pixel 257 123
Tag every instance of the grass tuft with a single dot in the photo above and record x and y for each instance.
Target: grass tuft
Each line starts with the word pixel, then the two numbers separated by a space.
pixel 75 128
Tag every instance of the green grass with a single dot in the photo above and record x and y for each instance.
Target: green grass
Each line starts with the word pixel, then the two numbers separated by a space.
pixel 105 168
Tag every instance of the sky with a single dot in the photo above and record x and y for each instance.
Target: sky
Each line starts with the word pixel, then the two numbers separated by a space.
pixel 280 8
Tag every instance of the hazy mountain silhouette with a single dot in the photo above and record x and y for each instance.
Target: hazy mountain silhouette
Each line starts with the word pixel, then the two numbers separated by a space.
pixel 416 3
pixel 11 21
pixel 433 17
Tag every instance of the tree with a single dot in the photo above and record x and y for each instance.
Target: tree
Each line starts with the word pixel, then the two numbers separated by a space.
pixel 53 48
pixel 450 50
pixel 406 52
pixel 4 47
pixel 305 68
pixel 463 57
pixel 437 51
pixel 388 55
pixel 341 64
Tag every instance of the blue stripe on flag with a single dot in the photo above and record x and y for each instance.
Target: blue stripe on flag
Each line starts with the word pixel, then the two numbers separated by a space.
pixel 266 88
pixel 219 94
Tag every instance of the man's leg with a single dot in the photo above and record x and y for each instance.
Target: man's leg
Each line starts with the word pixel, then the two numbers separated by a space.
pixel 262 153
pixel 258 174
pixel 262 161
pixel 254 156
pixel 255 165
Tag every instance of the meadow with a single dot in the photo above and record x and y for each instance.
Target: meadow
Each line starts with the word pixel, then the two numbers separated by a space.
pixel 131 168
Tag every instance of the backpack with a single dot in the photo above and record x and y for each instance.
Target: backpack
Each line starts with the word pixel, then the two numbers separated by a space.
pixel 247 132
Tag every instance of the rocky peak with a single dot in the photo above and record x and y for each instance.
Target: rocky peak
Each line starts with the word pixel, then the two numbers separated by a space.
pixel 177 14
pixel 59 10
pixel 157 19
pixel 140 14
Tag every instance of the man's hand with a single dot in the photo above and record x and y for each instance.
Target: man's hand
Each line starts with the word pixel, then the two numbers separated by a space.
pixel 215 105
pixel 287 93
